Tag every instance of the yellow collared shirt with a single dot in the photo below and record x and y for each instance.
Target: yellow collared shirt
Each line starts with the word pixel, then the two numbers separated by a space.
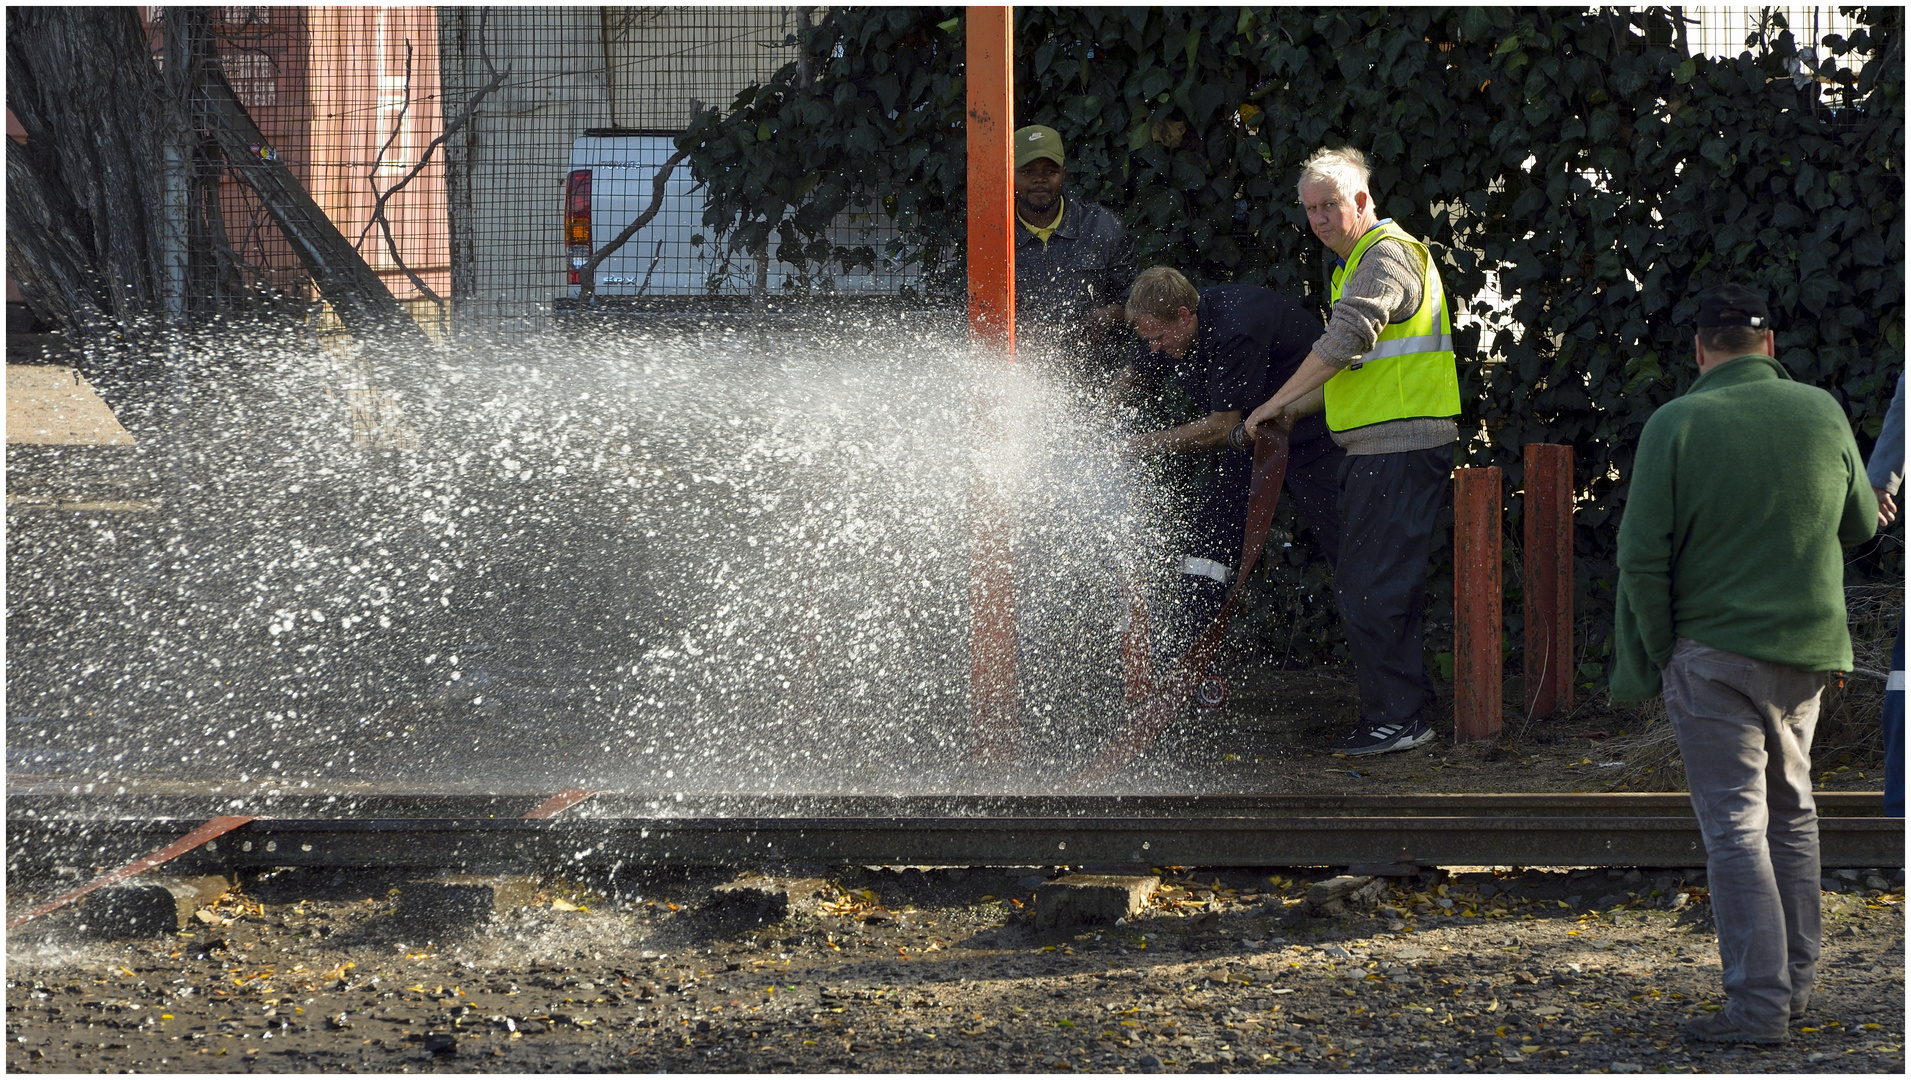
pixel 1061 207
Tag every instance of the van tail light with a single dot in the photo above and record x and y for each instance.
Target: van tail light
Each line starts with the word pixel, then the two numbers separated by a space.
pixel 577 220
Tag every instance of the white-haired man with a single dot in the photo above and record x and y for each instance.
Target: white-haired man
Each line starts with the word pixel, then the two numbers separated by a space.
pixel 1384 371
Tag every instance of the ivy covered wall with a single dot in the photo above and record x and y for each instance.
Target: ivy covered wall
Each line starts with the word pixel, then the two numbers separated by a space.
pixel 1606 176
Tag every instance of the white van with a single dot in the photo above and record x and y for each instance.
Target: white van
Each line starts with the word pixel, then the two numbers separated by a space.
pixel 675 254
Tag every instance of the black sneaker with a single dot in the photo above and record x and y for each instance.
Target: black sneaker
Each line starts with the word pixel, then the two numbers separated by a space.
pixel 1385 737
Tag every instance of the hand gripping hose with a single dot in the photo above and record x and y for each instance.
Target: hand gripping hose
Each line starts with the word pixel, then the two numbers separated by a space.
pixel 1161 702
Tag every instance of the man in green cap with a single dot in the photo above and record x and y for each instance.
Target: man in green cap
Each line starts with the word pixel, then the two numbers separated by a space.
pixel 1074 264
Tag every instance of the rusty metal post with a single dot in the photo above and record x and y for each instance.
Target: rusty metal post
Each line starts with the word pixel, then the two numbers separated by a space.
pixel 1476 604
pixel 1549 578
pixel 989 66
pixel 989 69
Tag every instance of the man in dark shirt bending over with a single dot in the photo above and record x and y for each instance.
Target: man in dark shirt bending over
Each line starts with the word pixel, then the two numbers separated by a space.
pixel 1228 346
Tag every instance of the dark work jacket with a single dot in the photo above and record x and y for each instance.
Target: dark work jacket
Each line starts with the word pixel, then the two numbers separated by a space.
pixel 1248 341
pixel 1088 262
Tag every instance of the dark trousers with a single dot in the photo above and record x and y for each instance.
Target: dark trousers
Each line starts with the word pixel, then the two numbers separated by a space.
pixel 1894 732
pixel 1389 504
pixel 1313 482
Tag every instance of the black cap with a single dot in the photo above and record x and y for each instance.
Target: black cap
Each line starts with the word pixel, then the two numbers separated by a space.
pixel 1734 305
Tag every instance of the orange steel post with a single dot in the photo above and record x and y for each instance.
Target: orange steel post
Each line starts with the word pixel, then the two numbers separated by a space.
pixel 1548 517
pixel 990 73
pixel 1476 604
pixel 990 76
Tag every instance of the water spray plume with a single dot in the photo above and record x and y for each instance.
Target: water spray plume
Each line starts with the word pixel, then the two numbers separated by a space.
pixel 703 560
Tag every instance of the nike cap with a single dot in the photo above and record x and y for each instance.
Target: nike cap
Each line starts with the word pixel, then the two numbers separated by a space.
pixel 1037 141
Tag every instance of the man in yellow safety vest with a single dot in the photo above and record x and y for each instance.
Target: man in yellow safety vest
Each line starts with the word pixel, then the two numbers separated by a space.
pixel 1384 371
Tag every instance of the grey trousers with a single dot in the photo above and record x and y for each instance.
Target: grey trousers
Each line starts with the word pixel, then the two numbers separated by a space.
pixel 1744 728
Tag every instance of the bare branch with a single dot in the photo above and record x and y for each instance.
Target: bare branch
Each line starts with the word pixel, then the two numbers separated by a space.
pixel 378 159
pixel 379 217
pixel 424 159
pixel 587 273
pixel 391 245
pixel 361 298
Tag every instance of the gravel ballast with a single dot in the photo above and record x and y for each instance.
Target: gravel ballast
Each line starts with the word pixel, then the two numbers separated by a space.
pixel 945 970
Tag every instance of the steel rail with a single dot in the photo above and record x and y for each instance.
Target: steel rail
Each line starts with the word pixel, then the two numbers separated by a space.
pixel 1002 831
pixel 54 801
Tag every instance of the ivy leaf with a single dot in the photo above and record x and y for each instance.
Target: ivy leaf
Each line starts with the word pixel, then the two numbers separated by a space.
pixel 1044 56
pixel 1475 26
pixel 887 89
pixel 1083 109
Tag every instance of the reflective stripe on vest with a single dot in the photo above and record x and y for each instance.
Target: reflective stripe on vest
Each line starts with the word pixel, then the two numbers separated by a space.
pixel 1419 376
pixel 1402 346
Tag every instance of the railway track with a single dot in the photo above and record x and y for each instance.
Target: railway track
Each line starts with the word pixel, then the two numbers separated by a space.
pixel 492 832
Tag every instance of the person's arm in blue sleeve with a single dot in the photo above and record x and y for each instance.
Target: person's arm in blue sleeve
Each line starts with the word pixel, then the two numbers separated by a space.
pixel 1886 469
pixel 1863 515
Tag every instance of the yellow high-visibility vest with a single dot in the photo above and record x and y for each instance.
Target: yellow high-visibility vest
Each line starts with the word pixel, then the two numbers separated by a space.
pixel 1410 372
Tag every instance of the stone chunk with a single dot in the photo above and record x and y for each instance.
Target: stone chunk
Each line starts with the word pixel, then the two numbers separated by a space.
pixel 453 899
pixel 148 905
pixel 772 899
pixel 1337 894
pixel 1083 899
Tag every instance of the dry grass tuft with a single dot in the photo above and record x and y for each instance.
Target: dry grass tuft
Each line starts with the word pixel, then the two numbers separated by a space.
pixel 1849 732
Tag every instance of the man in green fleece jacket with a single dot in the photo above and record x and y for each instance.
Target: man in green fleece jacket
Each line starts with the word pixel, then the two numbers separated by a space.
pixel 1731 600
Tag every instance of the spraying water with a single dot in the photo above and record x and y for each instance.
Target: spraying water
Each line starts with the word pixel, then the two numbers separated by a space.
pixel 699 560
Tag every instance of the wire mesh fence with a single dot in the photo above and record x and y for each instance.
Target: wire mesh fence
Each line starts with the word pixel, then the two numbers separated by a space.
pixel 1728 31
pixel 573 113
pixel 347 98
pixel 440 142
pixel 479 157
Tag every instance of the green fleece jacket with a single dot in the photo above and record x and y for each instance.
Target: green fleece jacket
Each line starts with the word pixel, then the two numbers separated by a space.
pixel 1744 493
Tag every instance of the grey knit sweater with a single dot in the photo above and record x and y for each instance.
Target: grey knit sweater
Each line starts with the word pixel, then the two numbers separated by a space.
pixel 1384 288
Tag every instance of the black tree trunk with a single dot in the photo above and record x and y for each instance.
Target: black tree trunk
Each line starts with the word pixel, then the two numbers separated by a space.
pixel 111 221
pixel 44 255
pixel 85 192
